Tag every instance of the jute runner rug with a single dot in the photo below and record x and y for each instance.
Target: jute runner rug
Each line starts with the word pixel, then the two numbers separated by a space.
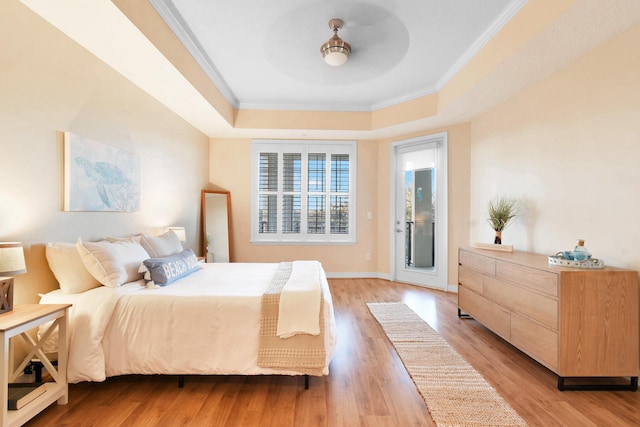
pixel 454 392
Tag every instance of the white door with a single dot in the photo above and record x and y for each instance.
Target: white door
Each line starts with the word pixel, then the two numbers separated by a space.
pixel 419 211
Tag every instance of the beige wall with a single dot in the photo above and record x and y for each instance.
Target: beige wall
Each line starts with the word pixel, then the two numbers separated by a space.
pixel 569 149
pixel 230 162
pixel 230 169
pixel 578 122
pixel 458 137
pixel 49 84
pixel 566 147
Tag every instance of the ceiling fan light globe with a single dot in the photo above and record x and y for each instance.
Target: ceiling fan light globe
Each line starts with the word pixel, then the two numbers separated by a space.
pixel 336 56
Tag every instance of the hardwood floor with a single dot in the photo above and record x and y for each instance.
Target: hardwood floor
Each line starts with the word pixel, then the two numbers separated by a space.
pixel 367 385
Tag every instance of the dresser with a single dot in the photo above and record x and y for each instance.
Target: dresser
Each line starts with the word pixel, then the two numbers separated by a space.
pixel 579 323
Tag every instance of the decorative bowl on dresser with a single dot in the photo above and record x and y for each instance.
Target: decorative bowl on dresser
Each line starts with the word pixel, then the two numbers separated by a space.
pixel 579 323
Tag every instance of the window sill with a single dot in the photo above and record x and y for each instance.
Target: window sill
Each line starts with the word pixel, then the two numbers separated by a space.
pixel 302 243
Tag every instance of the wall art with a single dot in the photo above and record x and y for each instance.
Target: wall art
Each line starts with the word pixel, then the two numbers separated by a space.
pixel 99 177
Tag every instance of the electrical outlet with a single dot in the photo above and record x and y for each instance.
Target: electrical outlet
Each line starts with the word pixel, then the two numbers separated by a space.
pixel 367 256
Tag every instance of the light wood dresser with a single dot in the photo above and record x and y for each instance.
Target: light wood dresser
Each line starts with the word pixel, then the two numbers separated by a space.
pixel 579 323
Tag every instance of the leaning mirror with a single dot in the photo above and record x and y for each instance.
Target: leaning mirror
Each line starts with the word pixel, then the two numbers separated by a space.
pixel 216 225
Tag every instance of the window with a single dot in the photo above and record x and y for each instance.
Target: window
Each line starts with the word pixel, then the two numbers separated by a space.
pixel 303 192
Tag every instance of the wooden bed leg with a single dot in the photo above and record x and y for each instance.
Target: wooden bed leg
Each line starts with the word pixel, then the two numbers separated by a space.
pixel 180 381
pixel 306 382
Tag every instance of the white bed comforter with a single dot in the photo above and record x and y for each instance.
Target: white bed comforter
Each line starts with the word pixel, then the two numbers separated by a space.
pixel 205 323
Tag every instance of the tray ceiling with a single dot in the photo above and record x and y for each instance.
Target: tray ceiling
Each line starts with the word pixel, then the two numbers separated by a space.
pixel 266 55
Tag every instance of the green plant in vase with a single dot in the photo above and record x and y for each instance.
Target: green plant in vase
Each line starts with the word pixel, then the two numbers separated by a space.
pixel 501 211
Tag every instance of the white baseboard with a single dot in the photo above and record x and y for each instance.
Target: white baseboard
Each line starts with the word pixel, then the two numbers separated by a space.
pixel 358 275
pixel 371 275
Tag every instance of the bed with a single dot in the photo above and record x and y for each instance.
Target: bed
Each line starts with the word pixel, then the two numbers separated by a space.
pixel 218 319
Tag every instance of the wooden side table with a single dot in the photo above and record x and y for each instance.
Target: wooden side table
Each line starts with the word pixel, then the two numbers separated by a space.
pixel 18 322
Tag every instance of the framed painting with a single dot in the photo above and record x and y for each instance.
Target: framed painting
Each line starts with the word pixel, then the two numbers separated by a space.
pixel 99 177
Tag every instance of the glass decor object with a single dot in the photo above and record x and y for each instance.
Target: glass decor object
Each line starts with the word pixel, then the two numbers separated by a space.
pixel 580 252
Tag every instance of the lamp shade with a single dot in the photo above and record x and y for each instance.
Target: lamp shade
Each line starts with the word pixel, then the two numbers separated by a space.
pixel 12 259
pixel 180 232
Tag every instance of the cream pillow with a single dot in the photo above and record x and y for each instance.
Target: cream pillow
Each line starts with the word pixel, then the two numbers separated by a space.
pixel 68 269
pixel 112 263
pixel 130 238
pixel 161 246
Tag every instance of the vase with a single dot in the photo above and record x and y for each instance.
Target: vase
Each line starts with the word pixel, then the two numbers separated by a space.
pixel 498 239
pixel 580 253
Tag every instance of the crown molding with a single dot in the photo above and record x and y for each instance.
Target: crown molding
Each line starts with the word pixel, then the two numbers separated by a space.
pixel 175 21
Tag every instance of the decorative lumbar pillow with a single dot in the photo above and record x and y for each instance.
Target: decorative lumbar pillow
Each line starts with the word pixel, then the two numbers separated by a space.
pixel 68 269
pixel 112 263
pixel 161 246
pixel 162 271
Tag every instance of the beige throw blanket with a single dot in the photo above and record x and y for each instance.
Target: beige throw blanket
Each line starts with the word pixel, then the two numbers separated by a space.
pixel 299 307
pixel 301 353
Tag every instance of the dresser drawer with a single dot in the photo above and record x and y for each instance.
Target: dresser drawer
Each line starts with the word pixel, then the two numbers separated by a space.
pixel 477 262
pixel 490 314
pixel 532 278
pixel 535 340
pixel 533 305
pixel 470 279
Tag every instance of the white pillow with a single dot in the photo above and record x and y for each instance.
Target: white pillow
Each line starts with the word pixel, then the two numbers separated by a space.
pixel 161 246
pixel 130 238
pixel 112 263
pixel 66 265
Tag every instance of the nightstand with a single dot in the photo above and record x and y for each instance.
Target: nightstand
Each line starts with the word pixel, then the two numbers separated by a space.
pixel 19 321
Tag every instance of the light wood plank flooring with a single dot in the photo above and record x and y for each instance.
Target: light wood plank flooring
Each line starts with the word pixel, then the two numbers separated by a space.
pixel 367 386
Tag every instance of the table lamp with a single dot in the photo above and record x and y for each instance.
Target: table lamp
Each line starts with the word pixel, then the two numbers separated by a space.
pixel 11 263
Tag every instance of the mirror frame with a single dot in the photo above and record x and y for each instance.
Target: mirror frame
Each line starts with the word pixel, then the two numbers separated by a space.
pixel 203 220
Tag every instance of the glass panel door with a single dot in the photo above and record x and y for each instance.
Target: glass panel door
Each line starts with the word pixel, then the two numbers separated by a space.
pixel 419 206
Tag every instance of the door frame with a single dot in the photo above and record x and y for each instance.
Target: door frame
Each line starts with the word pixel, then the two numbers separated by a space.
pixel 438 278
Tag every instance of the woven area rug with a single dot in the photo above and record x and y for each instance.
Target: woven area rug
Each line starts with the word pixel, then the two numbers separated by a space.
pixel 454 392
